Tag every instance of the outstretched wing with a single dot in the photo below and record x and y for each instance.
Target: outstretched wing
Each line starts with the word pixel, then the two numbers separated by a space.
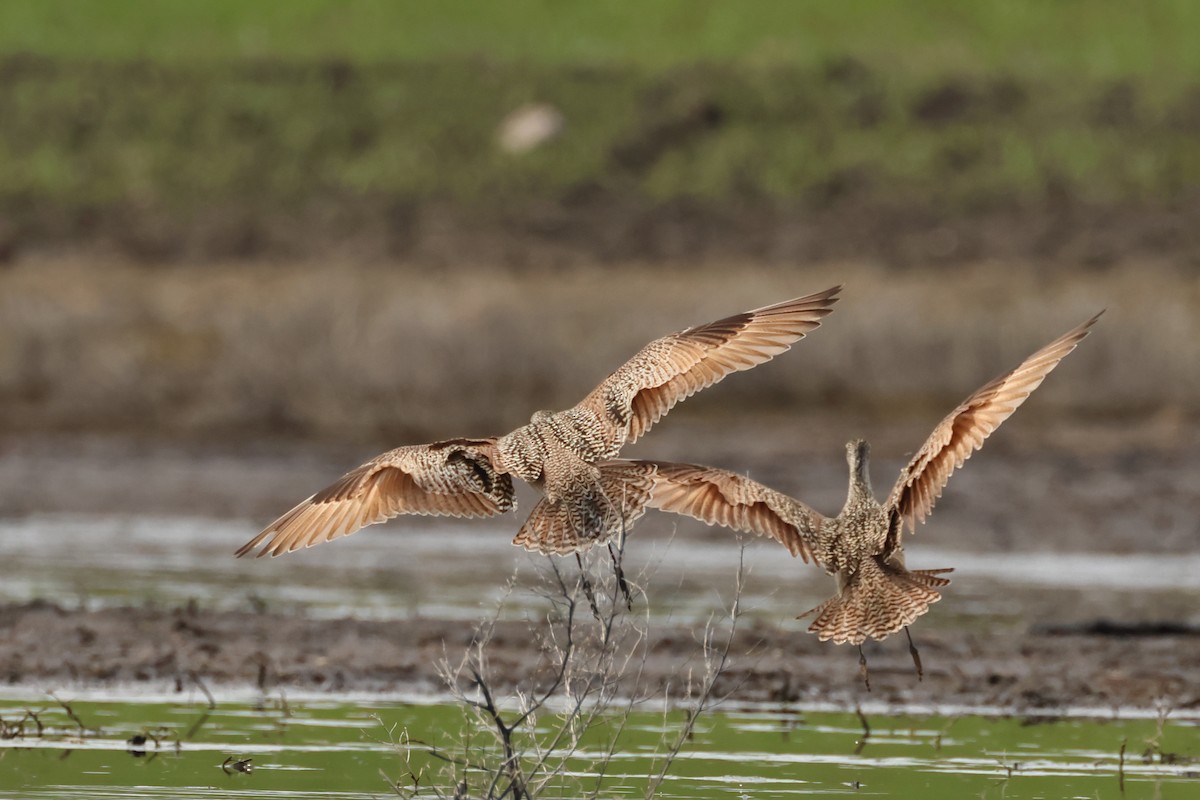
pixel 720 497
pixel 453 478
pixel 675 367
pixel 963 432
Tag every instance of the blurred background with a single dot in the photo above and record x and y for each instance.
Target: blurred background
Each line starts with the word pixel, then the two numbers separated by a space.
pixel 243 246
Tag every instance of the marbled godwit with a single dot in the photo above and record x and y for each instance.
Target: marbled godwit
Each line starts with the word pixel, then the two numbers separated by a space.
pixel 860 547
pixel 557 451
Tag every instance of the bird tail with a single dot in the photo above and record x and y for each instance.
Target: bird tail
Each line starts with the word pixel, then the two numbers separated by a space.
pixel 878 600
pixel 594 515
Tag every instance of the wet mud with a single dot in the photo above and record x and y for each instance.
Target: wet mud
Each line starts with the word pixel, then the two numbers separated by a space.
pixel 46 645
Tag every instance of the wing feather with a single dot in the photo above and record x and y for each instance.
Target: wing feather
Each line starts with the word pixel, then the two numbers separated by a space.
pixel 419 479
pixel 673 368
pixel 964 430
pixel 720 497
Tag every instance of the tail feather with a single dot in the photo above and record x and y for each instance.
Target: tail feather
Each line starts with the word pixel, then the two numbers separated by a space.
pixel 878 600
pixel 593 516
pixel 929 577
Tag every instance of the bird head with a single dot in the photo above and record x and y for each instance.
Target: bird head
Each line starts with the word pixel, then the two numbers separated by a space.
pixel 857 452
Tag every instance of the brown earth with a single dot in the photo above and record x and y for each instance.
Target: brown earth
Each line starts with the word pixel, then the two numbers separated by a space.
pixel 1098 666
pixel 595 230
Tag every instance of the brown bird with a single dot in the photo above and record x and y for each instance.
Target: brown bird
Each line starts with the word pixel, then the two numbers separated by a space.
pixel 862 548
pixel 557 451
pixel 877 594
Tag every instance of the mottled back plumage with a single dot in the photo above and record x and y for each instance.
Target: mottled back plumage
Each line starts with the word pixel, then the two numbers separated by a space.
pixel 595 514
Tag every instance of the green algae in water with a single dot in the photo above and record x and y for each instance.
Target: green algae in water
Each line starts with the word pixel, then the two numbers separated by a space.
pixel 340 749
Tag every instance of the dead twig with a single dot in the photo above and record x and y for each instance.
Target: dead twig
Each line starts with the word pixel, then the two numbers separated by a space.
pixel 83 729
pixel 518 747
pixel 1121 766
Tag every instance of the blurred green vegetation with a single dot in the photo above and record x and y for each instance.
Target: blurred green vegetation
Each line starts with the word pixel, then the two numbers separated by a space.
pixel 1084 38
pixel 178 109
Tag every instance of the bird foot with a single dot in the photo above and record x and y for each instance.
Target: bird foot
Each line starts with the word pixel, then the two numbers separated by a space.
pixel 916 656
pixel 586 585
pixel 622 584
pixel 625 590
pixel 862 668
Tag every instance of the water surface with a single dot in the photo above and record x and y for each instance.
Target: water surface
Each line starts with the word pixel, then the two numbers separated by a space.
pixel 457 571
pixel 350 747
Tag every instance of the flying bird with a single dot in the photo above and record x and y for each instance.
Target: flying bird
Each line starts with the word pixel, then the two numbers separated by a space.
pixel 862 547
pixel 556 452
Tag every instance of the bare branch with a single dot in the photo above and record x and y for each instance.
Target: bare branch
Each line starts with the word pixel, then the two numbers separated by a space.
pixel 714 666
pixel 590 668
pixel 83 729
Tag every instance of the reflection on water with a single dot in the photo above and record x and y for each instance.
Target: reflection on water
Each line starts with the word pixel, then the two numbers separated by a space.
pixel 449 570
pixel 334 748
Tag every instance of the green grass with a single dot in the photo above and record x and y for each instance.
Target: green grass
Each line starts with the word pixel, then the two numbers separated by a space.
pixel 278 134
pixel 1092 38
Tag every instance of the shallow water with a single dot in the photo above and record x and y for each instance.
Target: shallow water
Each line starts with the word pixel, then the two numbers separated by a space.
pixel 347 747
pixel 447 570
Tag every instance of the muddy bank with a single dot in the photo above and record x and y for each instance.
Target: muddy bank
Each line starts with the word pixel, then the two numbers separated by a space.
pixel 48 646
pixel 600 230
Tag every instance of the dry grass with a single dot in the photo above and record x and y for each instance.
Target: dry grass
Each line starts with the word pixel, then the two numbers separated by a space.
pixel 353 351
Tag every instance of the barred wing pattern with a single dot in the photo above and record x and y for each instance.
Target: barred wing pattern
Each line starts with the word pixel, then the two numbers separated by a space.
pixel 963 432
pixel 453 478
pixel 713 496
pixel 720 497
pixel 673 368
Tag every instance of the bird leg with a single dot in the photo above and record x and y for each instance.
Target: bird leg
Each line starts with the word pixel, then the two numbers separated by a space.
pixel 586 584
pixel 916 657
pixel 621 582
pixel 862 668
